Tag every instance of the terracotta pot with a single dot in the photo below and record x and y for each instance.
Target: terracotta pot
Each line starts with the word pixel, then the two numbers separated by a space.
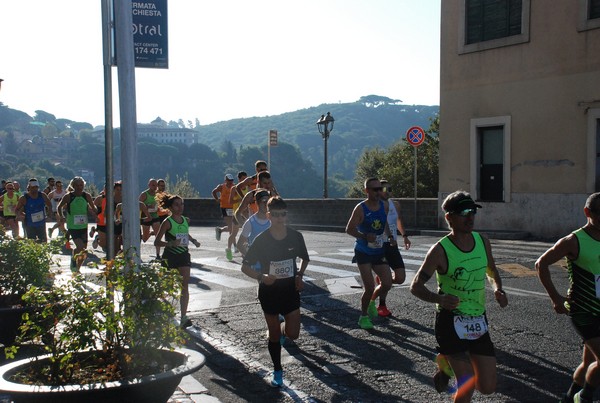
pixel 151 389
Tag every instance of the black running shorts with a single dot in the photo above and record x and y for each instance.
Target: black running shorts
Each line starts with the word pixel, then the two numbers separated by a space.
pixel 393 256
pixel 450 343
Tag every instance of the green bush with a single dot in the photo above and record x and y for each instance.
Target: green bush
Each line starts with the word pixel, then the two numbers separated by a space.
pixel 126 322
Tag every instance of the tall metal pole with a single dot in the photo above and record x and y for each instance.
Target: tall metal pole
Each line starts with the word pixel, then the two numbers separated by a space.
pixel 127 106
pixel 415 175
pixel 325 138
pixel 107 42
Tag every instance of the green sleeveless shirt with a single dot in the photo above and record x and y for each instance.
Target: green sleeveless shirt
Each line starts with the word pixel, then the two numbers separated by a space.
pixel 584 273
pixel 465 277
pixel 77 212
pixel 178 231
pixel 151 203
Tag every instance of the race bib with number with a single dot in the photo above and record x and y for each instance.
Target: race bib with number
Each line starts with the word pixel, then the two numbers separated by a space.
pixel 152 208
pixel 282 269
pixel 229 212
pixel 184 239
pixel 378 243
pixel 37 217
pixel 470 327
pixel 11 210
pixel 80 219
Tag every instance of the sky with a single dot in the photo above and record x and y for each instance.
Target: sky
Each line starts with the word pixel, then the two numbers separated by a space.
pixel 228 59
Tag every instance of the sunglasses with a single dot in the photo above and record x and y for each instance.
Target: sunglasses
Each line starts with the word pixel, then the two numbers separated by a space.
pixel 277 214
pixel 376 189
pixel 466 212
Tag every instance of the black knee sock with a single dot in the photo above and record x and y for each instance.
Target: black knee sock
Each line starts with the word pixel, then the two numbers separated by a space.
pixel 381 301
pixel 588 391
pixel 573 390
pixel 275 353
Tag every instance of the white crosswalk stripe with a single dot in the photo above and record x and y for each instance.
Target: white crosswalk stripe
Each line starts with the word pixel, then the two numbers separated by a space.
pixel 213 277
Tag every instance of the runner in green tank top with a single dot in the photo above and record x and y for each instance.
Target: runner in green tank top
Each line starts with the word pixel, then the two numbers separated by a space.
pixel 148 197
pixel 581 248
pixel 78 204
pixel 461 262
pixel 175 229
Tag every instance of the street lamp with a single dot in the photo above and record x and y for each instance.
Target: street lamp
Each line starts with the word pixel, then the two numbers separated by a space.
pixel 325 125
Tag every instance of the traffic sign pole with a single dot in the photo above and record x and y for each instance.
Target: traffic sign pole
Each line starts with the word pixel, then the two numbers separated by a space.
pixel 415 137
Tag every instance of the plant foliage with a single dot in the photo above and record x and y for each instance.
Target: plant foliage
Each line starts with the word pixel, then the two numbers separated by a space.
pixel 124 323
pixel 397 165
pixel 23 263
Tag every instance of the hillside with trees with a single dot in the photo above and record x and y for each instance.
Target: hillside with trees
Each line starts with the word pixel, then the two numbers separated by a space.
pixel 44 146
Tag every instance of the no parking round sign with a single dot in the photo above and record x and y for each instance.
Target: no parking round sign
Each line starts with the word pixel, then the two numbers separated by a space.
pixel 415 136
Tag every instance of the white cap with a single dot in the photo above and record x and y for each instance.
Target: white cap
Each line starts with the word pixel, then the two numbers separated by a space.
pixel 34 183
pixel 229 176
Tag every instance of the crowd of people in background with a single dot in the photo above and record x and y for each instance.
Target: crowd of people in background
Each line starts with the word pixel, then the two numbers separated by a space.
pixel 275 255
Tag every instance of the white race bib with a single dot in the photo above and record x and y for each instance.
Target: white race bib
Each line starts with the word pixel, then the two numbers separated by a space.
pixel 11 210
pixel 152 208
pixel 282 269
pixel 470 327
pixel 184 239
pixel 378 243
pixel 37 217
pixel 229 212
pixel 80 219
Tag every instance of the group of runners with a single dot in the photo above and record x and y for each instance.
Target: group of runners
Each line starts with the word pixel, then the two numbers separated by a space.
pixel 462 261
pixel 275 255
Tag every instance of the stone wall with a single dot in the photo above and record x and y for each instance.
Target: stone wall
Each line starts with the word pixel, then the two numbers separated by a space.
pixel 326 214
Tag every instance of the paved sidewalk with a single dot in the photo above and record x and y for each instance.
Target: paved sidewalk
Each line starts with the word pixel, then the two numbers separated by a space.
pixel 189 390
pixel 192 391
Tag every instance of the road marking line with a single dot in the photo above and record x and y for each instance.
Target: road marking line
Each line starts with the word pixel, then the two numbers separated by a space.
pixel 517 270
pixel 331 271
pixel 526 293
pixel 227 281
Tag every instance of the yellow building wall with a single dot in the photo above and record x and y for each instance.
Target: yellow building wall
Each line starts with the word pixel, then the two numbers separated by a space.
pixel 547 87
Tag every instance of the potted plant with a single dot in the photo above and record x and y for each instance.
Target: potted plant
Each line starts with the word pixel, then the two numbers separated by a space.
pixel 103 345
pixel 23 263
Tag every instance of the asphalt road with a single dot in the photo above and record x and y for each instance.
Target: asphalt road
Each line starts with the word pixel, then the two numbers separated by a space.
pixel 336 361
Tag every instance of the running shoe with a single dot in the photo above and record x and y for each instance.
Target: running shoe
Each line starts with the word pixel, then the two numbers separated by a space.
pixel 365 323
pixel 578 399
pixel 92 231
pixel 95 242
pixel 444 365
pixel 217 233
pixel 441 381
pixel 50 231
pixel 229 254
pixel 277 380
pixel 372 310
pixel 73 266
pixel 382 310
pixel 185 322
